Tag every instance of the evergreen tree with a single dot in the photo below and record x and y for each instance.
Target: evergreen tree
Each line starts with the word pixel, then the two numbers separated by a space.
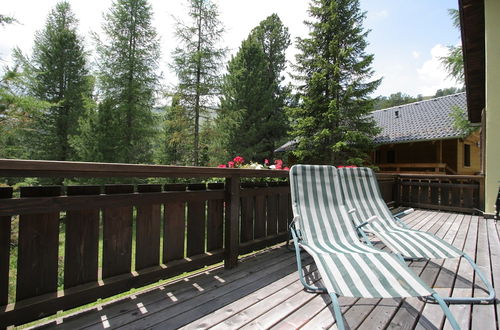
pixel 128 61
pixel 197 63
pixel 331 124
pixel 58 73
pixel 393 100
pixel 253 87
pixel 175 146
pixel 454 61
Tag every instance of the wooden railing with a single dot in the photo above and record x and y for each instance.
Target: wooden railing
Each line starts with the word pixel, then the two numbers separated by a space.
pixel 457 193
pixel 423 168
pixel 76 244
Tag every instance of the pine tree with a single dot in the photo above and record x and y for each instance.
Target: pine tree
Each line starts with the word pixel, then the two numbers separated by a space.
pixel 253 87
pixel 331 124
pixel 197 63
pixel 127 81
pixel 58 74
pixel 175 146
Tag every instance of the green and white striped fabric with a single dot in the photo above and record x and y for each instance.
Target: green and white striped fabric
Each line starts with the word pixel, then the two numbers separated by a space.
pixel 361 192
pixel 347 266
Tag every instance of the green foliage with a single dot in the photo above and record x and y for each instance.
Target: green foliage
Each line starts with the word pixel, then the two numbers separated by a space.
pixel 175 145
pixel 124 125
pixel 331 122
pixel 461 123
pixel 57 73
pixel 454 62
pixel 4 20
pixel 197 61
pixel 253 96
pixel 393 100
pixel 17 110
pixel 448 91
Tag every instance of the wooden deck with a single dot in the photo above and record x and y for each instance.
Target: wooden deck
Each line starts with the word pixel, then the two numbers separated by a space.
pixel 264 292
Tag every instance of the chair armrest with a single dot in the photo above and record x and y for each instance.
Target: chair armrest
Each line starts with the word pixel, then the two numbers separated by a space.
pixel 371 219
pixel 295 232
pixel 405 212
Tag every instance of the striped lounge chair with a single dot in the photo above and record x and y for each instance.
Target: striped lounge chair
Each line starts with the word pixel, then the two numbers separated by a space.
pixel 347 266
pixel 370 214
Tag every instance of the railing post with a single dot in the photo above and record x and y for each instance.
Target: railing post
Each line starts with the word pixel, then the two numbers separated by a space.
pixel 481 205
pixel 232 230
pixel 397 198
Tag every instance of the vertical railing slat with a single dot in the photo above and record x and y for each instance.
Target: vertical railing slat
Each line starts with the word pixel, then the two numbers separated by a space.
pixel 38 248
pixel 272 214
pixel 174 226
pixel 231 224
pixel 117 234
pixel 196 221
pixel 82 241
pixel 247 214
pixel 283 212
pixel 260 213
pixel 147 241
pixel 5 224
pixel 215 220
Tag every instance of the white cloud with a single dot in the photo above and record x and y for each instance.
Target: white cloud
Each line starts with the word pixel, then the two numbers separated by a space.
pixel 415 54
pixel 432 74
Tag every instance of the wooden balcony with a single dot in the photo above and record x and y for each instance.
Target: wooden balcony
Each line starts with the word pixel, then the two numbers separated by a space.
pixel 62 247
pixel 264 291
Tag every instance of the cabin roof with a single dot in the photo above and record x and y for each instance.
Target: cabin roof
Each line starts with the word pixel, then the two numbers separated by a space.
pixel 419 121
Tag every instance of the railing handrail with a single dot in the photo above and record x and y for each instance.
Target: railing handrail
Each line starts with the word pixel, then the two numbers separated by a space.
pixel 436 176
pixel 49 168
pixel 410 165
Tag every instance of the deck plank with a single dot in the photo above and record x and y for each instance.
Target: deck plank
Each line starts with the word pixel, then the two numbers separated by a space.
pixel 244 310
pixel 264 291
pixel 174 292
pixel 494 244
pixel 482 314
pixel 463 286
pixel 432 315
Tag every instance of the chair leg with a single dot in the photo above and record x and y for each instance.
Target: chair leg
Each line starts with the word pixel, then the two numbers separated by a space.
pixel 300 270
pixel 338 313
pixel 447 312
pixel 472 300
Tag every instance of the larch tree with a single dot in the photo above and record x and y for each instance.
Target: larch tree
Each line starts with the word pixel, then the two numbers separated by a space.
pixel 57 73
pixel 127 83
pixel 175 146
pixel 197 62
pixel 331 124
pixel 253 87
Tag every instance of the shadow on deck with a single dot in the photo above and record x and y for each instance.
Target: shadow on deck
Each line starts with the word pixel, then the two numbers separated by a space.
pixel 264 291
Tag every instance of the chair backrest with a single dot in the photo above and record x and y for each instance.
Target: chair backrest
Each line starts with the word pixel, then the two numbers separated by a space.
pixel 360 190
pixel 317 199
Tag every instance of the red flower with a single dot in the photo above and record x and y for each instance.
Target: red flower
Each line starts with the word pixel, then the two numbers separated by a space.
pixel 266 161
pixel 287 169
pixel 222 166
pixel 239 160
pixel 340 166
pixel 231 164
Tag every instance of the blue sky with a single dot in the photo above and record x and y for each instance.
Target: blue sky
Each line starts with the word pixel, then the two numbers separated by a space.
pixel 406 36
pixel 403 34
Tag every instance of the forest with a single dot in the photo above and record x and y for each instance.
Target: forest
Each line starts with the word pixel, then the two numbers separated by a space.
pixel 59 104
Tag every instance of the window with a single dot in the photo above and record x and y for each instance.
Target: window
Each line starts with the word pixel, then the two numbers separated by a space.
pixel 391 156
pixel 377 156
pixel 466 155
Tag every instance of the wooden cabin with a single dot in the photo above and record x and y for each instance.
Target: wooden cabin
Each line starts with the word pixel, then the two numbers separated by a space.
pixel 421 137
